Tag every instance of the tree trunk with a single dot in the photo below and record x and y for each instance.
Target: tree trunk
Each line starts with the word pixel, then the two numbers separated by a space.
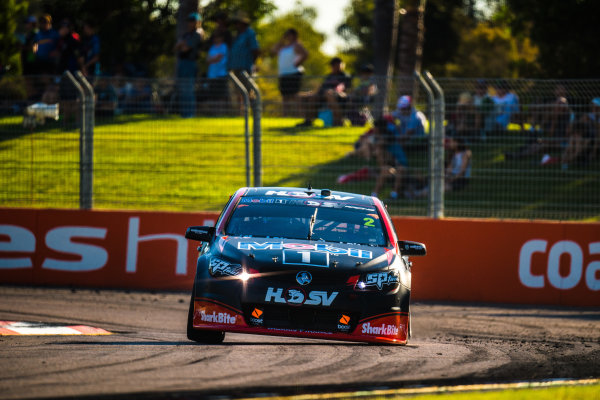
pixel 410 42
pixel 385 28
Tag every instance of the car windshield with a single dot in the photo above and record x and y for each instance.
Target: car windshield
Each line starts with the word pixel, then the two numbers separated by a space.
pixel 301 219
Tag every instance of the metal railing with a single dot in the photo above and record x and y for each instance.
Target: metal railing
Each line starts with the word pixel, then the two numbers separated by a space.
pixel 533 154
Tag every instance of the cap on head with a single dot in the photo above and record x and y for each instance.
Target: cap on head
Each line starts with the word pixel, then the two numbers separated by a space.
pixel 240 16
pixel 404 102
pixel 596 101
pixel 194 17
pixel 46 18
pixel 335 60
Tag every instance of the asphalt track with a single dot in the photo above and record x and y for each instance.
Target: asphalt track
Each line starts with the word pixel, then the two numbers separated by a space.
pixel 148 355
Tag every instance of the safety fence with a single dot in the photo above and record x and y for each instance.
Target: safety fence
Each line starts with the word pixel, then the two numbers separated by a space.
pixel 531 147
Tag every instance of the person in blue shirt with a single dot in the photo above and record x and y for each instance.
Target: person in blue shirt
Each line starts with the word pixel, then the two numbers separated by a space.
pixel 216 58
pixel 45 45
pixel 90 48
pixel 244 48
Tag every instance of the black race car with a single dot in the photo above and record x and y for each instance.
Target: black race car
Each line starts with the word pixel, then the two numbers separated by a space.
pixel 305 263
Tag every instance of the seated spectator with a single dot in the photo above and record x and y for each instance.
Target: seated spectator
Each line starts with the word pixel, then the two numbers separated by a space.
pixel 593 119
pixel 506 105
pixel 458 171
pixel 411 122
pixel 290 56
pixel 390 156
pixel 361 97
pixel 331 94
pixel 581 137
pixel 463 121
pixel 106 98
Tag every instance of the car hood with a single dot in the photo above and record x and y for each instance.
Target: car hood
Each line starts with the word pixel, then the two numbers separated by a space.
pixel 264 254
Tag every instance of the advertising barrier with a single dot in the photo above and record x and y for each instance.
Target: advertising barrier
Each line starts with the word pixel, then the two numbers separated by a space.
pixel 540 262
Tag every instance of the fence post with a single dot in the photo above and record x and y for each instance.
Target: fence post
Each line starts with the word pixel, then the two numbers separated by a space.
pixel 431 143
pixel 82 133
pixel 437 139
pixel 256 129
pixel 244 93
pixel 86 146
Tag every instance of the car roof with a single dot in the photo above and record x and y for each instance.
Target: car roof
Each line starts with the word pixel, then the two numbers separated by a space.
pixel 325 194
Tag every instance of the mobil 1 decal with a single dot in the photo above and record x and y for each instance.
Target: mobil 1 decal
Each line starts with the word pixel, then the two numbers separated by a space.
pixel 318 248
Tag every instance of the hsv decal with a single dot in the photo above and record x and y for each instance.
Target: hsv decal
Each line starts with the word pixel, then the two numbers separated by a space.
pixel 296 296
pixel 381 278
pixel 318 247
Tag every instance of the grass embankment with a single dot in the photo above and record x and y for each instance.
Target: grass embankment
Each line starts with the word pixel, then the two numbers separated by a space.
pixel 165 162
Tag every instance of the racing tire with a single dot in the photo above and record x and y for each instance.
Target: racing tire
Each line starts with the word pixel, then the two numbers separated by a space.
pixel 201 336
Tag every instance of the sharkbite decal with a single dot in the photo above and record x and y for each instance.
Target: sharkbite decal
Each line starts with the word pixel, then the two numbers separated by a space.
pixel 319 247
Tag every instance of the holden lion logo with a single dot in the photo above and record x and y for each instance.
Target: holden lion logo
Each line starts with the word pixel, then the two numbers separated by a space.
pixel 303 278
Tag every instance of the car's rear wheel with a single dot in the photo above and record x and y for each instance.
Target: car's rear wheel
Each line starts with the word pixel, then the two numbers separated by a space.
pixel 201 336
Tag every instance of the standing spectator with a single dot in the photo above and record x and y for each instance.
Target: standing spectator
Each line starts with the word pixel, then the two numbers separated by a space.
pixel 244 48
pixel 45 45
pixel 69 46
pixel 290 56
pixel 220 19
pixel 332 93
pixel 90 49
pixel 27 40
pixel 484 106
pixel 217 71
pixel 412 122
pixel 187 49
pixel 506 105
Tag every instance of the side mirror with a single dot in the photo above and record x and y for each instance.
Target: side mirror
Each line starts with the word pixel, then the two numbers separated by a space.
pixel 200 233
pixel 408 248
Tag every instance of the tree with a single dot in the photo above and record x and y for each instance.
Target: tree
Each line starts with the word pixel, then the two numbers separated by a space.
pixel 566 32
pixel 10 14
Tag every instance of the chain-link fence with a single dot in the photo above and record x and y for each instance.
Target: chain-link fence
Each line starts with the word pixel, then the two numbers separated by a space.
pixel 514 148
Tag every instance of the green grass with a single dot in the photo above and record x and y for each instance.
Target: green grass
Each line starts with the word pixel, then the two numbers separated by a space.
pixel 169 163
pixel 552 393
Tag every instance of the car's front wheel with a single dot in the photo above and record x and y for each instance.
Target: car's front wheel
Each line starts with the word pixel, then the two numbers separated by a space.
pixel 201 336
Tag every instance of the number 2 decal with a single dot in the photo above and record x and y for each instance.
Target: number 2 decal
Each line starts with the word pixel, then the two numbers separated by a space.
pixel 369 222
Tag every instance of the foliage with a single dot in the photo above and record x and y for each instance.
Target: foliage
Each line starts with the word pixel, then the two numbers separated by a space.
pixel 11 12
pixel 566 32
pixel 491 51
pixel 357 31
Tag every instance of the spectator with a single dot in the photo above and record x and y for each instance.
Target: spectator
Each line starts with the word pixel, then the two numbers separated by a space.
pixel 390 156
pixel 244 48
pixel 290 55
pixel 463 121
pixel 458 171
pixel 220 19
pixel 581 136
pixel 69 47
pixel 187 49
pixel 506 105
pixel 217 71
pixel 362 96
pixel 593 119
pixel 106 98
pixel 484 105
pixel 90 51
pixel 27 40
pixel 331 93
pixel 411 122
pixel 45 46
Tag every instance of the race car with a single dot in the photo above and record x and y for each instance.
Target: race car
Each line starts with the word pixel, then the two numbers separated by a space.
pixel 304 263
